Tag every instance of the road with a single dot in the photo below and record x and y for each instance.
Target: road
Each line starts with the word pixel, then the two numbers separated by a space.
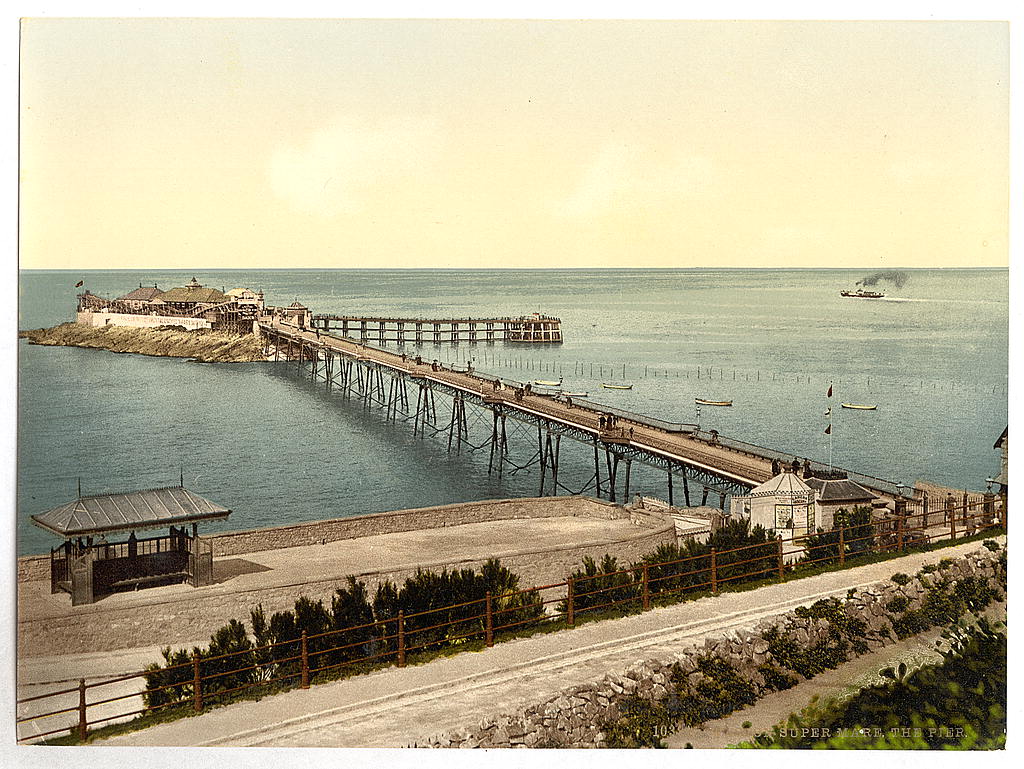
pixel 399 707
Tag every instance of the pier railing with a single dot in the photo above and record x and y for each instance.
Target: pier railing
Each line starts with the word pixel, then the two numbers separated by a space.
pixel 205 681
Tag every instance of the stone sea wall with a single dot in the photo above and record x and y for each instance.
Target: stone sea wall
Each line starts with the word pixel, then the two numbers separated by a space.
pixel 334 529
pixel 196 613
pixel 579 717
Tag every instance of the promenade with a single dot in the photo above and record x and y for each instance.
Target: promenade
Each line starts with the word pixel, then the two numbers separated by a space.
pixel 398 707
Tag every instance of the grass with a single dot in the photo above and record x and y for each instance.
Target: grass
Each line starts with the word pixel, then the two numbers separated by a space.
pixel 543 627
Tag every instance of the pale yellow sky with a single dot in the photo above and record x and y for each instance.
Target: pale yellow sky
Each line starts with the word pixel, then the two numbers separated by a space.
pixel 226 143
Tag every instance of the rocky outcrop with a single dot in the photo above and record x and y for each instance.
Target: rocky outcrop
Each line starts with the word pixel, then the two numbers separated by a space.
pixel 171 341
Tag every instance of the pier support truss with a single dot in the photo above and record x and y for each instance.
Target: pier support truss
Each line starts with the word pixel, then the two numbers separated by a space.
pixel 515 437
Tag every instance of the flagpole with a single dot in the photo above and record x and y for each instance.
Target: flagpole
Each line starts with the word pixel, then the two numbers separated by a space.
pixel 829 430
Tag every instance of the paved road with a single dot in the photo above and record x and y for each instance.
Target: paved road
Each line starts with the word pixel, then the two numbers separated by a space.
pixel 398 707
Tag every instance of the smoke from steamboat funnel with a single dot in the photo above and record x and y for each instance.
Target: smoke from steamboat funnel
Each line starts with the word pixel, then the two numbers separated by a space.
pixel 895 277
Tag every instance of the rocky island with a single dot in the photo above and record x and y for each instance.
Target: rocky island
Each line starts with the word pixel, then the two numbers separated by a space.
pixel 204 345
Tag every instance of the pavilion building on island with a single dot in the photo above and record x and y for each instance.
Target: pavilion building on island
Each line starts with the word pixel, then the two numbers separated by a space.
pixel 88 566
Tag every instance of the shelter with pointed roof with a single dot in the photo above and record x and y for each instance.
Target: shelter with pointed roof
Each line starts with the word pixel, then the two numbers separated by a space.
pixel 783 503
pixel 86 568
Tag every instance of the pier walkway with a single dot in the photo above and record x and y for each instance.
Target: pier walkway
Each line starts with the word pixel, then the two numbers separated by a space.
pixel 398 707
pixel 723 465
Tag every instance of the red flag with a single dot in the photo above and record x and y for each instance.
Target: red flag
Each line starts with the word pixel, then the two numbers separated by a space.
pixel 828 430
pixel 829 392
pixel 79 284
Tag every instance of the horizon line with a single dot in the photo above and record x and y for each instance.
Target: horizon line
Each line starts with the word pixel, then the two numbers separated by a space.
pixel 874 268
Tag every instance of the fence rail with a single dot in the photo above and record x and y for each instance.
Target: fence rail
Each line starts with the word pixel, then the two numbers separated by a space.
pixel 206 679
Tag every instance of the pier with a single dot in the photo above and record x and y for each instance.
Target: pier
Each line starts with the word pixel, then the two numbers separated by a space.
pixel 530 329
pixel 406 389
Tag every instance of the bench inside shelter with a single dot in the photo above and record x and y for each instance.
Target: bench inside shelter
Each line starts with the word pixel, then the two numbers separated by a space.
pixel 87 565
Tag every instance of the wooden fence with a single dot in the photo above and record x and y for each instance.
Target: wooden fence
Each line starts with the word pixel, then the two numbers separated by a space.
pixel 295 662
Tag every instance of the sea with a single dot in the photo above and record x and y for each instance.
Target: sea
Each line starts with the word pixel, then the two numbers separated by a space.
pixel 276 448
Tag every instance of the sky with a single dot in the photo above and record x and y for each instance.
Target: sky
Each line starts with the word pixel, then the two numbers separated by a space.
pixel 179 143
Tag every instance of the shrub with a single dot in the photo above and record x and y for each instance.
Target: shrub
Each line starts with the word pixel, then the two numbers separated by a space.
pixel 958 704
pixel 992 545
pixel 900 578
pixel 642 724
pixel 858 536
pixel 775 679
pixel 897 604
pixel 598 585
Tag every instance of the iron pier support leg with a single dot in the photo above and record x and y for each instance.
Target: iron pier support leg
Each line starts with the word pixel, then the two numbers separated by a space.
pixel 704 497
pixel 686 489
pixel 494 439
pixel 554 464
pixel 541 455
pixel 597 469
pixel 625 493
pixel 671 501
pixel 612 461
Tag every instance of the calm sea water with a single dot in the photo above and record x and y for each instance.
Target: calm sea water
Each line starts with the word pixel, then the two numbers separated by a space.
pixel 276 448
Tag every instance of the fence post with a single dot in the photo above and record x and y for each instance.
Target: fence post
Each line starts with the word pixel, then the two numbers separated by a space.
pixel 647 589
pixel 570 609
pixel 842 546
pixel 401 639
pixel 901 513
pixel 490 621
pixel 197 684
pixel 305 661
pixel 952 524
pixel 714 570
pixel 989 508
pixel 778 541
pixel 83 727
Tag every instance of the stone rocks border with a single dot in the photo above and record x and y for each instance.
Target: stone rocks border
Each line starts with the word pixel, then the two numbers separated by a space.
pixel 576 717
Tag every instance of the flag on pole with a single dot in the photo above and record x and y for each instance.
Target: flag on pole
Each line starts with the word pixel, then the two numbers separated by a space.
pixel 829 395
pixel 828 430
pixel 79 284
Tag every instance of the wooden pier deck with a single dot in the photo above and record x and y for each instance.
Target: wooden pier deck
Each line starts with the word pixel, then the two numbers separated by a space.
pixel 724 465
pixel 532 329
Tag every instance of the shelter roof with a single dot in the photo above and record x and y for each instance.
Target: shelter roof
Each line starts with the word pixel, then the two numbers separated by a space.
pixel 195 294
pixel 840 490
pixel 1002 438
pixel 783 483
pixel 129 511
pixel 142 293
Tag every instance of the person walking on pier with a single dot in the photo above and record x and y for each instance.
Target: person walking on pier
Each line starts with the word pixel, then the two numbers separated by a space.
pixel 601 422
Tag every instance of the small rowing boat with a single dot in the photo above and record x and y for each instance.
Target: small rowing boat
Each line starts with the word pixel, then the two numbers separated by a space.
pixel 703 402
pixel 547 383
pixel 616 387
pixel 574 395
pixel 859 406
